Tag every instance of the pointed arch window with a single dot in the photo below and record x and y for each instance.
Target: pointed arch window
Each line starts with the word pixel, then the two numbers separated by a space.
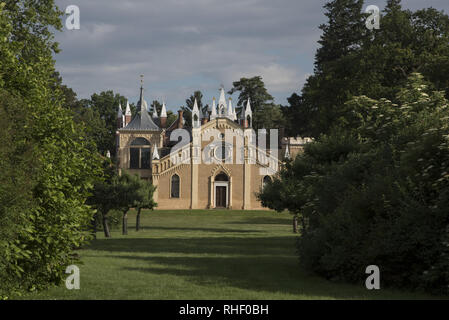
pixel 175 186
pixel 221 177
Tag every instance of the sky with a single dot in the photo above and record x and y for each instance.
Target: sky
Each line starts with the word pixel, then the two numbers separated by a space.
pixel 185 45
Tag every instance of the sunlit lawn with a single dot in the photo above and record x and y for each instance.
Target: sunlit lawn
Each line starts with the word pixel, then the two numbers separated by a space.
pixel 204 255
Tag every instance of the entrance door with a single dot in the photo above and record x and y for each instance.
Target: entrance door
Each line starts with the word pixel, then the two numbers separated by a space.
pixel 220 197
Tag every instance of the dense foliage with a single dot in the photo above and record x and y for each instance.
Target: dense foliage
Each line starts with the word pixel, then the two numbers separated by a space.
pixel 376 191
pixel 353 61
pixel 121 193
pixel 266 114
pixel 48 167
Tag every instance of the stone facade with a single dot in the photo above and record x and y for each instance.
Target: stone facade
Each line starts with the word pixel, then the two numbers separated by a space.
pixel 206 171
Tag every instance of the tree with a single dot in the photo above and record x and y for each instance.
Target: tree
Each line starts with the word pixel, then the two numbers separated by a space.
pixel 121 193
pixel 106 105
pixel 189 106
pixel 156 105
pixel 130 193
pixel 353 60
pixel 18 167
pixel 146 201
pixel 375 189
pixel 266 114
pixel 66 168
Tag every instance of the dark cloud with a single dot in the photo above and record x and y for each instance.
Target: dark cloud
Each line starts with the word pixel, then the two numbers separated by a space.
pixel 181 46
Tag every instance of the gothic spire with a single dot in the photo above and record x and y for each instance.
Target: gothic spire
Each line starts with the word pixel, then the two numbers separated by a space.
pixel 213 114
pixel 128 109
pixel 164 111
pixel 155 153
pixel 230 113
pixel 120 111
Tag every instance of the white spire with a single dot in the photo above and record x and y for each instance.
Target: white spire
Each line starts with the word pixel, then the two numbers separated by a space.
pixel 247 113
pixel 230 113
pixel 222 103
pixel 234 114
pixel 222 96
pixel 163 111
pixel 120 111
pixel 155 153
pixel 213 115
pixel 128 109
pixel 195 112
pixel 287 153
pixel 155 116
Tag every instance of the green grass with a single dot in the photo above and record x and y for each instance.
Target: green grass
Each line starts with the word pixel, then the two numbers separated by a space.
pixel 204 255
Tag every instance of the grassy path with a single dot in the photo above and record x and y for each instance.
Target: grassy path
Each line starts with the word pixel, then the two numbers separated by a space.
pixel 204 255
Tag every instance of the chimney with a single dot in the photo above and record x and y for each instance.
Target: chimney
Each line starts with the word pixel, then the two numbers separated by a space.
pixel 180 117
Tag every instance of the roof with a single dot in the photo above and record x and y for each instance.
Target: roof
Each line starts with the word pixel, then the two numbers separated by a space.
pixel 140 122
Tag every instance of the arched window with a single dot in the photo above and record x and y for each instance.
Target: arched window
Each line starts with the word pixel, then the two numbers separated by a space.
pixel 139 154
pixel 140 142
pixel 266 179
pixel 175 186
pixel 221 177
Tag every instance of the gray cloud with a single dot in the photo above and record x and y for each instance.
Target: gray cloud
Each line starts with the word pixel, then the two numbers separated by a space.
pixel 181 46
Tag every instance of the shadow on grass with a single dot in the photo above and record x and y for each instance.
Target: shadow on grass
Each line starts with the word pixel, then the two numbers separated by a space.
pixel 205 245
pixel 218 230
pixel 259 220
pixel 266 264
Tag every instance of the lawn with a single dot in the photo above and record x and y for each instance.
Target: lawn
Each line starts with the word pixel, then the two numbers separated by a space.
pixel 204 255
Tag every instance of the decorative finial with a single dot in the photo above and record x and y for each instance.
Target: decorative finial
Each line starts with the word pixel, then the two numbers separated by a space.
pixel 141 79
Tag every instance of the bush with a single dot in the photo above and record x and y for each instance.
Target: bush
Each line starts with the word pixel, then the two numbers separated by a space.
pixel 383 198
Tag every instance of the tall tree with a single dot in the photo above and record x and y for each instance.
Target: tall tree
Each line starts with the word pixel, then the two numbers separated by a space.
pixel 106 104
pixel 376 190
pixel 66 167
pixel 266 114
pixel 189 106
pixel 353 60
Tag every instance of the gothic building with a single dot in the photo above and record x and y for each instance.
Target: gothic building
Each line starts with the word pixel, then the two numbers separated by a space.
pixel 213 162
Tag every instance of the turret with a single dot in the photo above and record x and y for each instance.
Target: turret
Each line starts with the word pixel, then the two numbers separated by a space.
pixel 213 113
pixel 222 104
pixel 163 116
pixel 246 117
pixel 127 114
pixel 120 119
pixel 196 121
pixel 230 113
pixel 155 116
pixel 155 153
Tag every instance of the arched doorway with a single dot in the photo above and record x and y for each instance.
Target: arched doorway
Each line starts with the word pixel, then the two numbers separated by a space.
pixel 221 190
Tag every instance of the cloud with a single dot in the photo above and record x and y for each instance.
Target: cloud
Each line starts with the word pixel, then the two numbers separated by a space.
pixel 181 46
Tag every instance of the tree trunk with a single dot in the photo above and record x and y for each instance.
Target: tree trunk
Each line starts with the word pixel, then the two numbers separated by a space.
pixel 107 234
pixel 138 219
pixel 94 227
pixel 295 224
pixel 125 222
